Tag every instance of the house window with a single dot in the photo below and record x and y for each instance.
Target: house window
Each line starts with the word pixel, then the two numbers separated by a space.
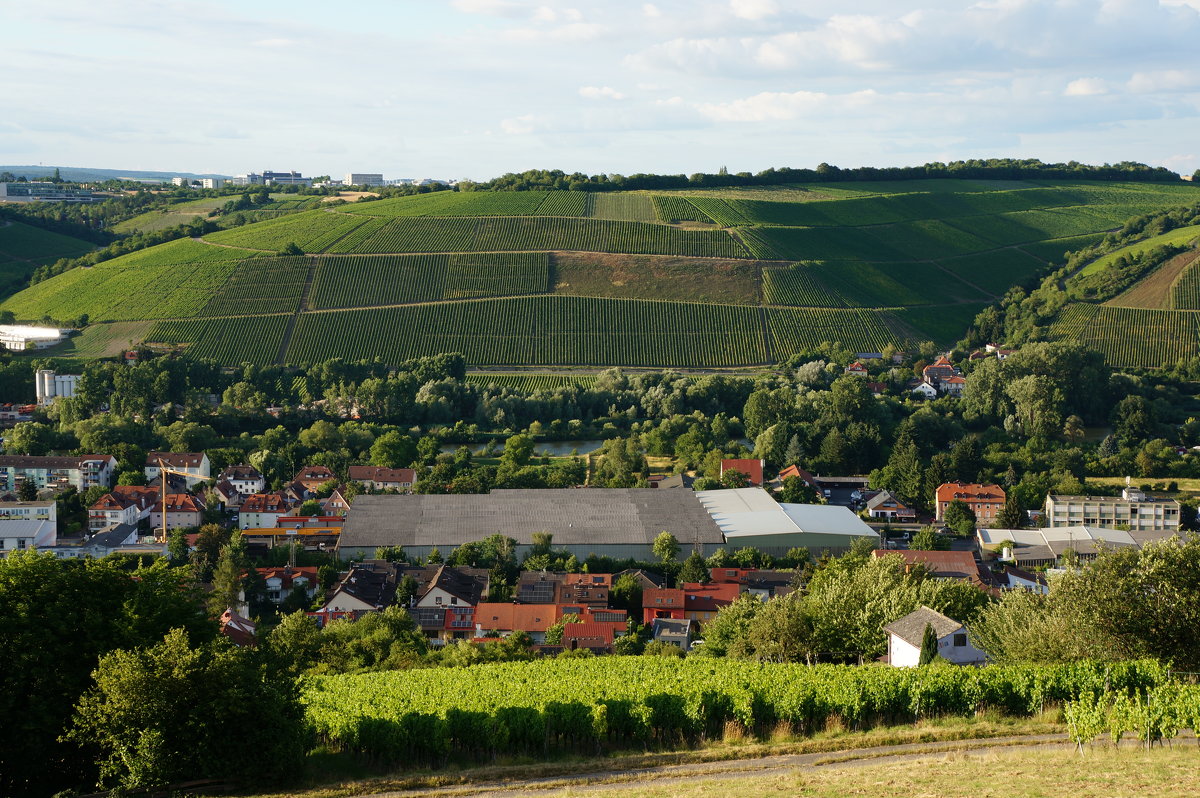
pixel 454 599
pixel 437 599
pixel 658 601
pixel 960 640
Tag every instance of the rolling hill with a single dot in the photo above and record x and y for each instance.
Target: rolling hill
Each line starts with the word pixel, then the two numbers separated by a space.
pixel 690 278
pixel 1156 320
pixel 24 247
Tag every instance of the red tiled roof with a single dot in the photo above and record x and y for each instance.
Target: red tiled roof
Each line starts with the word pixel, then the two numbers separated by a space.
pixel 504 617
pixel 651 596
pixel 180 460
pixel 180 503
pixel 751 468
pixel 314 474
pixel 287 575
pixel 710 597
pixel 265 503
pixel 971 492
pixel 948 564
pixel 797 471
pixel 402 476
pixel 603 632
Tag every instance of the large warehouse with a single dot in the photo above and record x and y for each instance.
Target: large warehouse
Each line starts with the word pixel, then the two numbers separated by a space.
pixel 750 517
pixel 614 522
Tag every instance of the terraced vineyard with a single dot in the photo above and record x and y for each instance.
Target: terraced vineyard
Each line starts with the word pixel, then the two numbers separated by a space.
pixel 529 383
pixel 699 278
pixel 1185 294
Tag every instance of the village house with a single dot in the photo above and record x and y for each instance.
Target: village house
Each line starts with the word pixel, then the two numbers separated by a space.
pixel 263 510
pixel 194 464
pixel 753 469
pixel 594 636
pixel 376 478
pixel 313 477
pixel 182 510
pixel 986 501
pixel 886 506
pixel 56 473
pixel 857 369
pixel 676 632
pixel 281 582
pixel 244 479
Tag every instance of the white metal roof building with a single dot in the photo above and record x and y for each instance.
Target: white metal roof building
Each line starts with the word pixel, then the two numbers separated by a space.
pixel 1045 545
pixel 19 337
pixel 750 517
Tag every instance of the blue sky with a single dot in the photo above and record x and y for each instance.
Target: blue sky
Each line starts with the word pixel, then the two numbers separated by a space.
pixel 476 88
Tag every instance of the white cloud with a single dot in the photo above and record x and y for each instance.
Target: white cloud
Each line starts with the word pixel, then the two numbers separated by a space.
pixel 767 105
pixel 570 32
pixel 652 11
pixel 1086 87
pixel 518 125
pixel 600 93
pixel 753 9
pixel 275 43
pixel 1169 80
pixel 491 8
pixel 545 14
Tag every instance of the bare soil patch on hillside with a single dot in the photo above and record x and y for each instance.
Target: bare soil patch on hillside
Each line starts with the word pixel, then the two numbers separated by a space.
pixel 1153 291
pixel 724 281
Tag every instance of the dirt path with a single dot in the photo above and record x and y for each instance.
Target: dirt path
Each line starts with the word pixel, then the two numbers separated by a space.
pixel 691 774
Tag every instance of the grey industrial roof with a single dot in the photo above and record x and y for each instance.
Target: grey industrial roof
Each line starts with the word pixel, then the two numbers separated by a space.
pixel 911 628
pixel 574 516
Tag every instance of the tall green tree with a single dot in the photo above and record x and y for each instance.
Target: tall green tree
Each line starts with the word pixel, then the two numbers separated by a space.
pixel 666 547
pixel 173 712
pixel 929 646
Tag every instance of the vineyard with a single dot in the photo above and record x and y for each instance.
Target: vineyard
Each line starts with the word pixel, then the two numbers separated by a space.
pixel 695 278
pixel 248 339
pixel 540 331
pixel 171 280
pixel 351 282
pixel 1131 337
pixel 540 234
pixel 262 285
pixel 22 242
pixel 592 705
pixel 531 383
pixel 1185 294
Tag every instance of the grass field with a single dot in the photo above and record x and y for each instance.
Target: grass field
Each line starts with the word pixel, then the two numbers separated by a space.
pixel 101 340
pixel 1011 773
pixel 170 216
pixel 1182 235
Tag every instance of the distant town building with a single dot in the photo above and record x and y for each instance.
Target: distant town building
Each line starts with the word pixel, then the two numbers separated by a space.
pixel 269 178
pixel 50 385
pixel 194 464
pixel 363 179
pixel 43 192
pixel 20 338
pixel 198 182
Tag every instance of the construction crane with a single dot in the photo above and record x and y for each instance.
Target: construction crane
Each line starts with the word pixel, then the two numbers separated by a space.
pixel 160 535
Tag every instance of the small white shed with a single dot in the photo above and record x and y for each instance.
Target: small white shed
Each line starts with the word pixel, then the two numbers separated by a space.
pixel 954 642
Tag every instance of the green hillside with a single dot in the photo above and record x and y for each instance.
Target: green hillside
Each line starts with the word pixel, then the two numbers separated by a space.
pixel 24 247
pixel 719 278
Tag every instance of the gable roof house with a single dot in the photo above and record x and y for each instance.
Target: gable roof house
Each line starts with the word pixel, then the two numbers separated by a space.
pixel 753 469
pixel 905 636
pixel 262 510
pixel 595 636
pixel 376 478
pixel 194 464
pixel 368 586
pixel 675 632
pixel 857 369
pixel 182 510
pixel 505 618
pixel 245 479
pixel 985 500
pixel 313 477
pixel 885 505
pixel 939 369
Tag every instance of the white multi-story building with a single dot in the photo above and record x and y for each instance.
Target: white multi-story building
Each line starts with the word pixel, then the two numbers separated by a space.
pixel 1132 509
pixel 20 535
pixel 57 473
pixel 363 179
pixel 51 385
pixel 20 338
pixel 29 511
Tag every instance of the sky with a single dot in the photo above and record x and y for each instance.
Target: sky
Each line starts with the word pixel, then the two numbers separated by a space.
pixel 477 88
